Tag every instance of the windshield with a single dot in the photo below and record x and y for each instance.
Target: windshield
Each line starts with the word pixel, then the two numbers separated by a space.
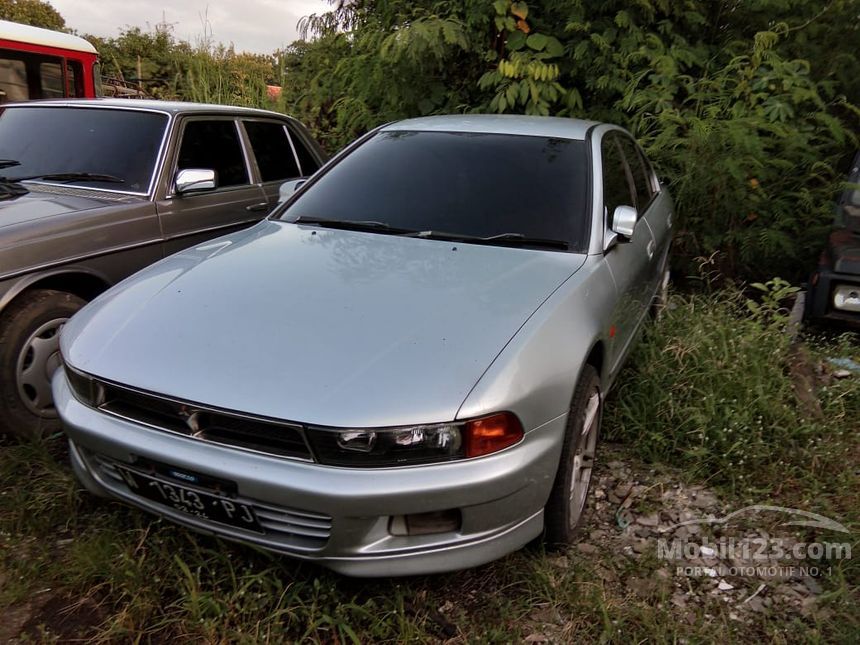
pixel 460 183
pixel 64 141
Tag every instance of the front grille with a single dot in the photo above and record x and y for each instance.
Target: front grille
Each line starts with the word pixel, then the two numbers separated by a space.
pixel 216 426
pixel 287 527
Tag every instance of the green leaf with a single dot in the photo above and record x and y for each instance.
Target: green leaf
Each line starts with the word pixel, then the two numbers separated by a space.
pixel 501 7
pixel 516 40
pixel 537 41
pixel 553 47
pixel 520 10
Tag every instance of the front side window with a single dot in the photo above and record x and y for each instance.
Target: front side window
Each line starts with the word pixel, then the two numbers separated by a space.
pixel 272 150
pixel 471 184
pixel 214 145
pixel 63 140
pixel 639 172
pixel 616 187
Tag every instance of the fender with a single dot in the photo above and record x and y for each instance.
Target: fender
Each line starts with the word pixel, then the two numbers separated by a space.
pixel 24 282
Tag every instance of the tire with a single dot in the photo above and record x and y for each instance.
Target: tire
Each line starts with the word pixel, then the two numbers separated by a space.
pixel 564 510
pixel 29 354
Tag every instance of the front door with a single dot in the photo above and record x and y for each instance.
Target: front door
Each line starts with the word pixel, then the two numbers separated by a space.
pixel 628 260
pixel 237 200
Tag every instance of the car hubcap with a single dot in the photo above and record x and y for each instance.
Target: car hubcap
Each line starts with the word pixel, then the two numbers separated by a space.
pixel 38 360
pixel 583 458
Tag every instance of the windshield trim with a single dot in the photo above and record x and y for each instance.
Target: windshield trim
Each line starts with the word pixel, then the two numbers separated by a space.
pixel 156 169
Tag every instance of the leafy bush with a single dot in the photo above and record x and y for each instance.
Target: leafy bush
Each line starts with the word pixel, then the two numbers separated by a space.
pixel 742 111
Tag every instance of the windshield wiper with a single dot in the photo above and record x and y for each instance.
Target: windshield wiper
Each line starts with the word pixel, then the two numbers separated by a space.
pixel 10 190
pixel 502 239
pixel 8 163
pixel 350 225
pixel 71 176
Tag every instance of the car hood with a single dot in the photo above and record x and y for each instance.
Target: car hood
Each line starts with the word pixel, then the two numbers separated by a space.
pixel 54 200
pixel 319 326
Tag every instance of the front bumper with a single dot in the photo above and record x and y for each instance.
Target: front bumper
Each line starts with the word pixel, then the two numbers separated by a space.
pixel 338 517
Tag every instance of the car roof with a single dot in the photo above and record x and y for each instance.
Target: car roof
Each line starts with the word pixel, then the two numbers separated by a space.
pixel 171 107
pixel 536 126
pixel 46 37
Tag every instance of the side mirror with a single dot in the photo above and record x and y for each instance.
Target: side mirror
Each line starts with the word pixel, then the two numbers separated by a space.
pixel 288 188
pixel 195 180
pixel 624 221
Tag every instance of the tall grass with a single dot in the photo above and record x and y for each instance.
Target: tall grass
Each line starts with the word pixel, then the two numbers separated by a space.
pixel 708 391
pixel 711 389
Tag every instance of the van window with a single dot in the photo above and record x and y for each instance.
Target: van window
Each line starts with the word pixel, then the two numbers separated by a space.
pixel 51 77
pixel 75 79
pixel 13 80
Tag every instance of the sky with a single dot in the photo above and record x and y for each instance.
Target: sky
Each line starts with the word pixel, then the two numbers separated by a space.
pixel 258 26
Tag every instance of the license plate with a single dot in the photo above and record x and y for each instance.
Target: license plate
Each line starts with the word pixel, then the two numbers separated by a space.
pixel 215 508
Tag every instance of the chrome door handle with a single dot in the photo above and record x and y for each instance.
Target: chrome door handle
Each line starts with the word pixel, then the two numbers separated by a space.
pixel 256 208
pixel 650 249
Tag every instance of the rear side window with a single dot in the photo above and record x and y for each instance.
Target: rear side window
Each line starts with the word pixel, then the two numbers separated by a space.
pixel 214 145
pixel 307 161
pixel 616 188
pixel 273 151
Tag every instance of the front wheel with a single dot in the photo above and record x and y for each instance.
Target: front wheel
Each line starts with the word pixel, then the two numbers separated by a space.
pixel 566 504
pixel 29 356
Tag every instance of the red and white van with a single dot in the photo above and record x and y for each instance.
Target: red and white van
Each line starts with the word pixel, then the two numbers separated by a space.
pixel 39 63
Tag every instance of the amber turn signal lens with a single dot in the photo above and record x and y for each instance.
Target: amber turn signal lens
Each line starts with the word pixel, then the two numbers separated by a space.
pixel 491 434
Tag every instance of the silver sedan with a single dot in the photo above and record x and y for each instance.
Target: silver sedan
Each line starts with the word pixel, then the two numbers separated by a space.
pixel 402 370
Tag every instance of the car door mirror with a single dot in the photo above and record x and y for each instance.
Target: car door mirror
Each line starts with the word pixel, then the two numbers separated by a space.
pixel 195 180
pixel 624 221
pixel 288 188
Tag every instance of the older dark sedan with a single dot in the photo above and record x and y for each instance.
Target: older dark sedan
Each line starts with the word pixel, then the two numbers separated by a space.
pixel 95 190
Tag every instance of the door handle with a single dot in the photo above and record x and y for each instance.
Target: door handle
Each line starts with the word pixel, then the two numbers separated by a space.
pixel 256 208
pixel 650 248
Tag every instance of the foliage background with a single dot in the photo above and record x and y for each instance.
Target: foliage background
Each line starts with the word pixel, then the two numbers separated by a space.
pixel 748 108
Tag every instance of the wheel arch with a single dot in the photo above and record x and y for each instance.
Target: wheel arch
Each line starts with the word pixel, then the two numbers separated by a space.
pixel 596 358
pixel 84 283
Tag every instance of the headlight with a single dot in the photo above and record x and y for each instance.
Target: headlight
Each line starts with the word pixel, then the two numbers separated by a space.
pixel 846 297
pixel 421 444
pixel 85 389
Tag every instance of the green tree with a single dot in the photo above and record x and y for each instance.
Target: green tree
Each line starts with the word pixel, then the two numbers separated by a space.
pixel 747 108
pixel 32 12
